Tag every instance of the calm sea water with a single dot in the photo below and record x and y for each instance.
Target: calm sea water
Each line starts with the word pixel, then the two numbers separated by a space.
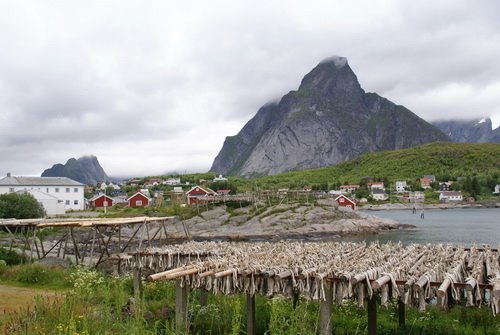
pixel 456 226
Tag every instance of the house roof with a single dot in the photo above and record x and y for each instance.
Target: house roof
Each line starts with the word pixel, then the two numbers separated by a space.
pixel 378 191
pixel 95 197
pixel 38 181
pixel 33 192
pixel 204 189
pixel 343 196
pixel 349 186
pixel 139 193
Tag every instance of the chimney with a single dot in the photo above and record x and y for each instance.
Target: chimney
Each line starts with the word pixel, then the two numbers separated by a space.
pixel 8 174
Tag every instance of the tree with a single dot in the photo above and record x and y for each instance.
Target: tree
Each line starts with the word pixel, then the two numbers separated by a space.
pixel 20 206
pixel 476 188
pixel 363 192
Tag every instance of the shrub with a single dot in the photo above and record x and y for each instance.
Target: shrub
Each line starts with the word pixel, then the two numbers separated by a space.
pixel 86 281
pixel 10 257
pixel 20 206
pixel 32 274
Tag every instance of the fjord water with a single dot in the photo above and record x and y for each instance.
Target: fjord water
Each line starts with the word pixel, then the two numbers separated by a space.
pixel 464 226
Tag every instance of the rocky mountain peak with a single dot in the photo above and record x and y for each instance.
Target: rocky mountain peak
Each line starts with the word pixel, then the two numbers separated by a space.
pixel 328 120
pixel 86 170
pixel 333 77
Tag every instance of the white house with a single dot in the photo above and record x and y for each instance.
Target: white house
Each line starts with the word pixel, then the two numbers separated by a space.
pixel 68 191
pixel 379 195
pixel 51 204
pixel 450 196
pixel 172 181
pixel 349 188
pixel 105 185
pixel 219 178
pixel 401 186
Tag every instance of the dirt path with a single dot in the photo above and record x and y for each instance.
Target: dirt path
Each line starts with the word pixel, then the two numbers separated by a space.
pixel 15 298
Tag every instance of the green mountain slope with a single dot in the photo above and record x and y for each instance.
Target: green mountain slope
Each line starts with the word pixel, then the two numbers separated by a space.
pixel 443 159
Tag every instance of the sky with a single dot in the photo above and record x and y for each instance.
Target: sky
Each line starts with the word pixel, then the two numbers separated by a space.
pixel 151 87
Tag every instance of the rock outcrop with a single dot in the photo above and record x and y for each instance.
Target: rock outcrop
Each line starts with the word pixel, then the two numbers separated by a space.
pixel 283 221
pixel 328 120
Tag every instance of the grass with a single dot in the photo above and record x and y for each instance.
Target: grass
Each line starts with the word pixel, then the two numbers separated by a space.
pixel 97 304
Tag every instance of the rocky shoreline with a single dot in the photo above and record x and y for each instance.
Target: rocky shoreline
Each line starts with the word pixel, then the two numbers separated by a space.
pixel 323 221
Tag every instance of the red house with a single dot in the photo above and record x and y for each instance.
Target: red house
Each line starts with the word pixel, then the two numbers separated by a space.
pixel 344 201
pixel 101 200
pixel 199 195
pixel 138 200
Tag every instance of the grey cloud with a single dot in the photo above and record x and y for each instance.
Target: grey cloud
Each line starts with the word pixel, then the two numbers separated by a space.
pixel 152 87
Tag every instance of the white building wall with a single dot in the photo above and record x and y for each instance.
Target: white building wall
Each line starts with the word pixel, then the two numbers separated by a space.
pixel 400 186
pixel 73 199
pixel 51 204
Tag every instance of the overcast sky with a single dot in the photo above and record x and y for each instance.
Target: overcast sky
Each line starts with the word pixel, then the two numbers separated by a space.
pixel 155 86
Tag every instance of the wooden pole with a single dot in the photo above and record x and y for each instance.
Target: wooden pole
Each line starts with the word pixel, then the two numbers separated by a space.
pixel 203 297
pixel 77 253
pixel 165 231
pixel 250 314
pixel 401 313
pixel 372 315
pixel 131 238
pixel 136 272
pixel 325 310
pixel 92 245
pixel 55 245
pixel 181 308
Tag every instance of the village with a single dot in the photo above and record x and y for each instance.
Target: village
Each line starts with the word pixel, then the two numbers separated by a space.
pixel 61 195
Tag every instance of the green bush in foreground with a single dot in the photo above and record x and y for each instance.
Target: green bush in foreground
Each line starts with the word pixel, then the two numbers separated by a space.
pixel 10 257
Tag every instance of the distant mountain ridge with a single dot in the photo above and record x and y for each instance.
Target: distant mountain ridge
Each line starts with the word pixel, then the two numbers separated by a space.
pixel 86 170
pixel 328 120
pixel 475 130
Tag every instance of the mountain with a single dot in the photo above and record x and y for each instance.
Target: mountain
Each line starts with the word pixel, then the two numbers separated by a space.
pixel 477 130
pixel 86 170
pixel 328 120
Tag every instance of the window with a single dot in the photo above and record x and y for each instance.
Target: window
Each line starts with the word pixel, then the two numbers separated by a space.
pixel 75 202
pixel 67 202
pixel 11 189
pixel 57 189
pixel 75 190
pixel 67 189
pixel 138 203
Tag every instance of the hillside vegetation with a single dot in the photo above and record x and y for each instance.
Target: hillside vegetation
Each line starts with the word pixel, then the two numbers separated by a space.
pixel 445 160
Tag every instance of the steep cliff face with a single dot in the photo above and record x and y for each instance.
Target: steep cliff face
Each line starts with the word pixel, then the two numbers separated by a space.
pixel 328 120
pixel 469 130
pixel 86 170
